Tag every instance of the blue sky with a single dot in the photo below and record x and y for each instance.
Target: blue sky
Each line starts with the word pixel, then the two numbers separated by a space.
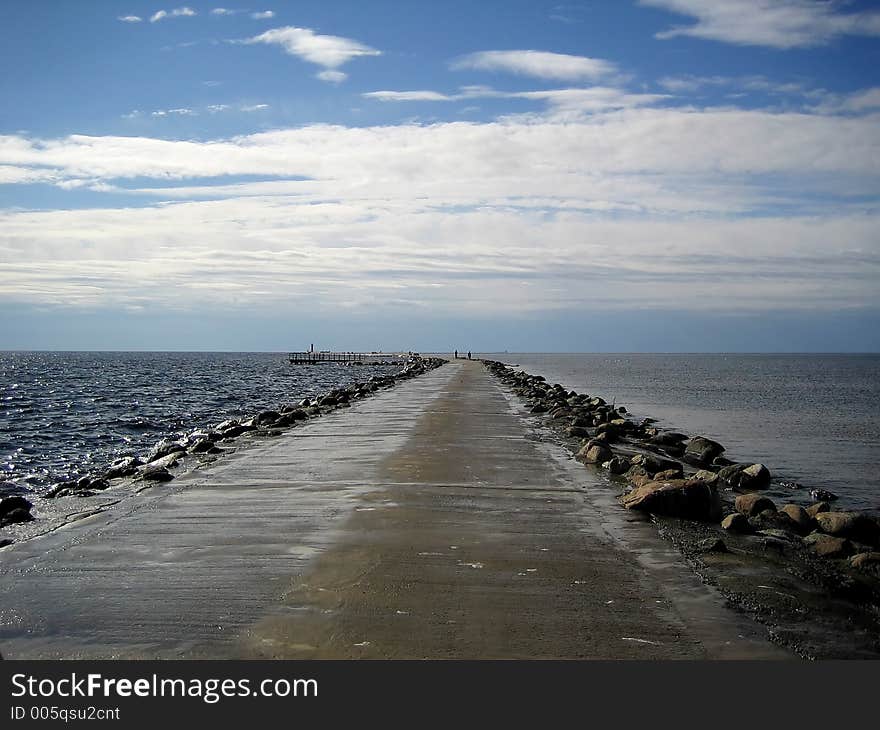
pixel 584 176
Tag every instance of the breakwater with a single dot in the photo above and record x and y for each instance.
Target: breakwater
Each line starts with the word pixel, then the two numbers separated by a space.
pixel 715 510
pixel 171 456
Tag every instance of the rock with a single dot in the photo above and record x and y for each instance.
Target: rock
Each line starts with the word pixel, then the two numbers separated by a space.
pixel 719 462
pixel 771 520
pixel 777 534
pixel 712 545
pixel 852 525
pixel 736 522
pixel 8 505
pixel 827 545
pixel 636 471
pixel 538 408
pixel 164 448
pixel 815 509
pixel 124 467
pixel 822 495
pixel 753 504
pixel 155 473
pixel 6 542
pixel 617 465
pixel 866 561
pixel 799 516
pixel 99 484
pixel 328 400
pixel 577 431
pixel 653 464
pixel 595 453
pixel 742 476
pixel 710 477
pixel 13 516
pixel 668 474
pixel 668 438
pixel 204 446
pixel 266 418
pixel 700 451
pixel 692 499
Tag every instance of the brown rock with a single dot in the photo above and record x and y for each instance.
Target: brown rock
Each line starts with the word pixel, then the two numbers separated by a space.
pixel 864 561
pixel 815 509
pixel 799 516
pixel 710 477
pixel 661 476
pixel 595 453
pixel 692 498
pixel 828 546
pixel 852 525
pixel 736 522
pixel 753 504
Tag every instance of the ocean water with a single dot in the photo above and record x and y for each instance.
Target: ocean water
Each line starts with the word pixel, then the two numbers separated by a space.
pixel 811 419
pixel 64 414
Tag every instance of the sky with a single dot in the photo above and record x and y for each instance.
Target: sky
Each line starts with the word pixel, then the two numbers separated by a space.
pixel 523 175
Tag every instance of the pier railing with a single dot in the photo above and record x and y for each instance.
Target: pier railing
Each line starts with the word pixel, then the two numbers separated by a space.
pixel 314 357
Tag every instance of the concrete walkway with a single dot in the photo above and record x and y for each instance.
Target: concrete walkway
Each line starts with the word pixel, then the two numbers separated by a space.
pixel 433 520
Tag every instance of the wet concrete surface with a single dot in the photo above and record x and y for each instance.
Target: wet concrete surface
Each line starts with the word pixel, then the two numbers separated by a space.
pixel 434 520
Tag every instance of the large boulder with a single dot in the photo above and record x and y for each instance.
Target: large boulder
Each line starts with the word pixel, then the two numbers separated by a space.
pixel 828 546
pixel 736 522
pixel 799 516
pixel 15 509
pixel 668 438
pixel 595 452
pixel 852 525
pixel 124 467
pixel 701 451
pixel 163 449
pixel 818 507
pixel 746 476
pixel 753 504
pixel 689 498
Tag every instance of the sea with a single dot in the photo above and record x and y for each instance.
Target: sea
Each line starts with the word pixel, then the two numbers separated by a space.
pixel 812 419
pixel 67 414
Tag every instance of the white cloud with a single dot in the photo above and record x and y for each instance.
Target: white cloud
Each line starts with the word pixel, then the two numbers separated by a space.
pixel 537 63
pixel 130 18
pixel 181 112
pixel 408 96
pixel 773 23
pixel 215 108
pixel 634 207
pixel 333 77
pixel 254 107
pixel 184 12
pixel 328 51
pixel 569 103
pixel 263 15
pixel 224 11
pixel 858 102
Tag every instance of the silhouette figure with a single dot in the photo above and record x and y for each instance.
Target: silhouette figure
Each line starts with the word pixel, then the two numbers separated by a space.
pixel 469 354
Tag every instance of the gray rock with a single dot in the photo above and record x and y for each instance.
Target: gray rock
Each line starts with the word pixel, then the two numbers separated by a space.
pixel 124 467
pixel 746 476
pixel 163 449
pixel 701 450
pixel 712 545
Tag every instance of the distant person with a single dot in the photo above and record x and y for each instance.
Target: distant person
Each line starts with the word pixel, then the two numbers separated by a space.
pixel 456 354
pixel 469 354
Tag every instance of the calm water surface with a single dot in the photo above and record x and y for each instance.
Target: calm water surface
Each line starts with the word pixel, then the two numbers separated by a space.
pixel 813 419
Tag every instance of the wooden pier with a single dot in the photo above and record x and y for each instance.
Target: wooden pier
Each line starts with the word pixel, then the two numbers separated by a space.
pixel 312 357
